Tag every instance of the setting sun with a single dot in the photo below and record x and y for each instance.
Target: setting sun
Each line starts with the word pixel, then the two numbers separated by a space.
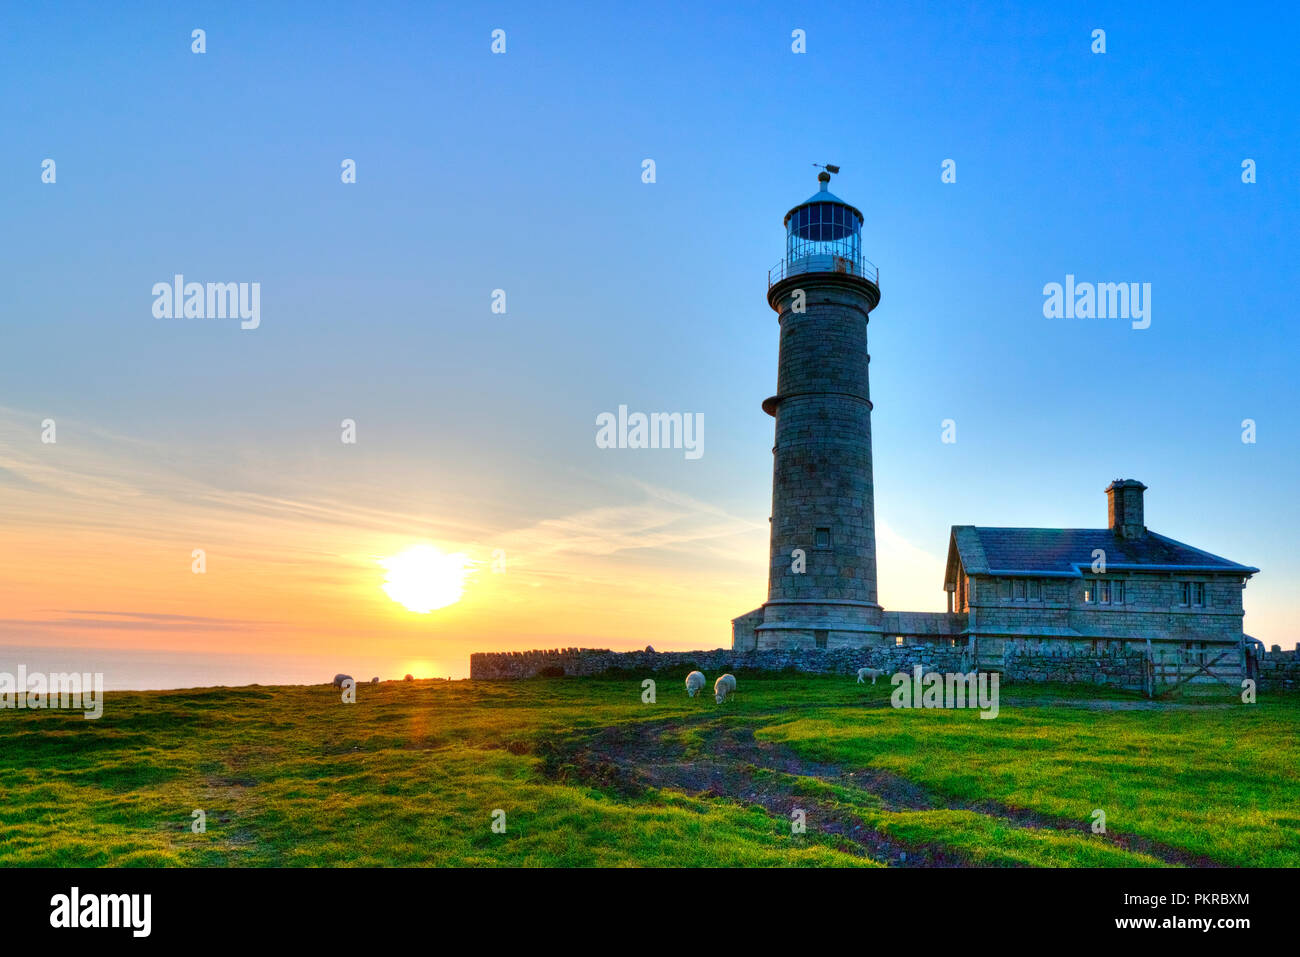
pixel 422 579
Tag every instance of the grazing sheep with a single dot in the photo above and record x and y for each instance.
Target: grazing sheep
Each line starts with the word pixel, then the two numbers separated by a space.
pixel 872 673
pixel 694 683
pixel 339 679
pixel 408 678
pixel 723 687
pixel 374 681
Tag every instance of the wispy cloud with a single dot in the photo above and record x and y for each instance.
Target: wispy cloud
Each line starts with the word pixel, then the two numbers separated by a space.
pixel 179 624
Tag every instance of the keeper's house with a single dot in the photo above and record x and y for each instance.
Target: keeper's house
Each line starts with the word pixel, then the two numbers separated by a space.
pixel 1096 589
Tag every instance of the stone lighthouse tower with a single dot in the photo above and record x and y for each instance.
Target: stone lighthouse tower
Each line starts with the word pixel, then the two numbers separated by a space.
pixel 822 572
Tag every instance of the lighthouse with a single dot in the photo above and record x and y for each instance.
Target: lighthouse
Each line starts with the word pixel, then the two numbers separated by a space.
pixel 822 571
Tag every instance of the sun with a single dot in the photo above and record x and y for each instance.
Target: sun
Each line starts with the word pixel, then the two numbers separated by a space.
pixel 422 579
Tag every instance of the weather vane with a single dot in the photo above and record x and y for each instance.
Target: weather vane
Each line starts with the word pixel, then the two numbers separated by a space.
pixel 829 167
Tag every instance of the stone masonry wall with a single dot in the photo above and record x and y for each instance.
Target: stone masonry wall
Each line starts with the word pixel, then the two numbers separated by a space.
pixel 1150 609
pixel 743 635
pixel 1112 670
pixel 1280 670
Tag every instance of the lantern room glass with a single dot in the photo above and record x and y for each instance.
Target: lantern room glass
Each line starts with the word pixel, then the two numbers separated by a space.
pixel 830 230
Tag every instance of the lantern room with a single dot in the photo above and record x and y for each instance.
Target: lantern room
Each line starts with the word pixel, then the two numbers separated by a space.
pixel 823 234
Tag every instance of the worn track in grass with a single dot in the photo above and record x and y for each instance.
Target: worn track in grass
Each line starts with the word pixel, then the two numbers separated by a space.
pixel 725 761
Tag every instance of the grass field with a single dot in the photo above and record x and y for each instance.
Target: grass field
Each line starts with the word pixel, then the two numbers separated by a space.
pixel 587 774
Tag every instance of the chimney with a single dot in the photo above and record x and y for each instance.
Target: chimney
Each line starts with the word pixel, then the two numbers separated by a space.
pixel 1124 508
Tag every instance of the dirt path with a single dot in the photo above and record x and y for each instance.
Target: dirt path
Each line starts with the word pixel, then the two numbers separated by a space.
pixel 725 761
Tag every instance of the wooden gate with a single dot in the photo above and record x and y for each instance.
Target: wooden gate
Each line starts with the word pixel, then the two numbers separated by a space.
pixel 1208 670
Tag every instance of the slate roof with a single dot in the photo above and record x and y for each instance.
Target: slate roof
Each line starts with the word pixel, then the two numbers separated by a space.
pixel 1063 552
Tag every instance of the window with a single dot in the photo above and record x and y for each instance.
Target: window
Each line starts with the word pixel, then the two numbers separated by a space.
pixel 1117 593
pixel 1198 593
pixel 1018 589
pixel 1185 593
pixel 820 638
pixel 899 641
pixel 1103 592
pixel 1031 590
pixel 824 229
pixel 1089 591
pixel 823 538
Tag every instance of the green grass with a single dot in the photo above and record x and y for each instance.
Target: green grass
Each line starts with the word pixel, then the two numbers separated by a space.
pixel 412 773
pixel 1218 782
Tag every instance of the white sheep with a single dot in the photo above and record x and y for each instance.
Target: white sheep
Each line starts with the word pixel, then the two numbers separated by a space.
pixel 872 673
pixel 724 686
pixel 694 682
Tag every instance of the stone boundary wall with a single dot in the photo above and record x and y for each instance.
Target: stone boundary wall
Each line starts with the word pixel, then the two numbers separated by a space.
pixel 1127 672
pixel 1280 670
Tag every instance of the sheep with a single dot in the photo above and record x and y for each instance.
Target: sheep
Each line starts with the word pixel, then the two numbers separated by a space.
pixel 339 679
pixel 409 678
pixel 374 681
pixel 724 686
pixel 694 682
pixel 872 673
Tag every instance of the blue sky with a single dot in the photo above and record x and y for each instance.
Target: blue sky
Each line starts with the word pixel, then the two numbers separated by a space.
pixel 522 172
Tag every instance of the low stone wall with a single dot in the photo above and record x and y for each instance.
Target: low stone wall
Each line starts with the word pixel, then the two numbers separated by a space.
pixel 1116 671
pixel 1112 670
pixel 1280 670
